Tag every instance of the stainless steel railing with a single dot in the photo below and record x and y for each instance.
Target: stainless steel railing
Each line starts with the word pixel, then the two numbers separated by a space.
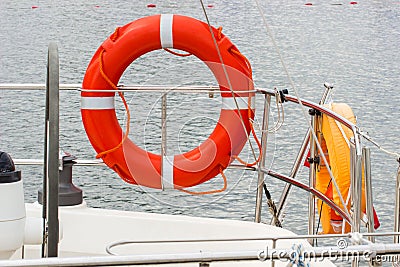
pixel 358 159
pixel 210 90
pixel 364 252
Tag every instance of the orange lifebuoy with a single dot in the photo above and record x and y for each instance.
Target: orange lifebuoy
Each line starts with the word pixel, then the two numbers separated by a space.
pixel 139 37
pixel 335 145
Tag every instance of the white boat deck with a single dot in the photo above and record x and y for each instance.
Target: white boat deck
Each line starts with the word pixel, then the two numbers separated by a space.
pixel 88 231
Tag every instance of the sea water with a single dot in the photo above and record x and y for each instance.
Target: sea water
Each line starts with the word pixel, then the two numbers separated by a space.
pixel 355 47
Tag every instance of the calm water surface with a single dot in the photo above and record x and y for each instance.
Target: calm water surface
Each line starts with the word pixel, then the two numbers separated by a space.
pixel 354 47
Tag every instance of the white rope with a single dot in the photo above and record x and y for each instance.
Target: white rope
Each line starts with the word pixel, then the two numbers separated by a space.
pixel 297 257
pixel 280 111
pixel 368 138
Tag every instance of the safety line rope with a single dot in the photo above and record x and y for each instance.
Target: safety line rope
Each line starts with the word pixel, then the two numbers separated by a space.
pixel 368 138
pixel 221 171
pixel 281 112
pixel 177 54
pixel 128 114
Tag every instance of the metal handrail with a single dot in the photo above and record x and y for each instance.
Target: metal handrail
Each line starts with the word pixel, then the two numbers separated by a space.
pixel 309 189
pixel 40 162
pixel 261 164
pixel 196 89
pixel 126 88
pixel 274 239
pixel 36 86
pixel 208 89
pixel 368 191
pixel 369 251
pixel 100 163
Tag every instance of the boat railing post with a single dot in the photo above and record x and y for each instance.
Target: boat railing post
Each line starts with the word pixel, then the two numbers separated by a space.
pixel 312 174
pixel 366 158
pixel 366 152
pixel 397 207
pixel 274 240
pixel 293 173
pixel 299 158
pixel 352 177
pixel 356 186
pixel 163 131
pixel 264 137
pixel 352 180
pixel 356 197
pixel 164 124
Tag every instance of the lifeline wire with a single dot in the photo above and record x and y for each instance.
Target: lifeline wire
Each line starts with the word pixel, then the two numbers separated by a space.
pixel 368 138
pixel 231 89
pixel 279 107
pixel 269 32
pixel 227 78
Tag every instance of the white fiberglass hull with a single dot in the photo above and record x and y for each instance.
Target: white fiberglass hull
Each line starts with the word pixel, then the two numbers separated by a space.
pixel 88 231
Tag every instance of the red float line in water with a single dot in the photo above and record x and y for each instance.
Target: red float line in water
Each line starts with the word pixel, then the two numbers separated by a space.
pixel 308 4
pixel 210 6
pixel 151 5
pixel 353 3
pixel 33 7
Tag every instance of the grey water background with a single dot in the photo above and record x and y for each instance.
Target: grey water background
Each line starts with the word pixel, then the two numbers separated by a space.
pixel 354 47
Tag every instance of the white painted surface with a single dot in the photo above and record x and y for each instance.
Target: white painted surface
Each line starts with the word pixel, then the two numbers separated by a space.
pixel 168 172
pixel 97 103
pixel 34 231
pixel 11 237
pixel 88 231
pixel 12 206
pixel 166 35
pixel 12 218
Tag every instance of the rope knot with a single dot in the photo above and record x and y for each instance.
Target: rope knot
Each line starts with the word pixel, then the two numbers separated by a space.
pixel 219 33
pixel 115 35
pixel 297 256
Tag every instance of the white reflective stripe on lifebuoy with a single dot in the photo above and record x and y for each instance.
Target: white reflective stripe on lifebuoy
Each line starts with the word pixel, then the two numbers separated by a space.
pixel 166 30
pixel 229 103
pixel 167 177
pixel 97 102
